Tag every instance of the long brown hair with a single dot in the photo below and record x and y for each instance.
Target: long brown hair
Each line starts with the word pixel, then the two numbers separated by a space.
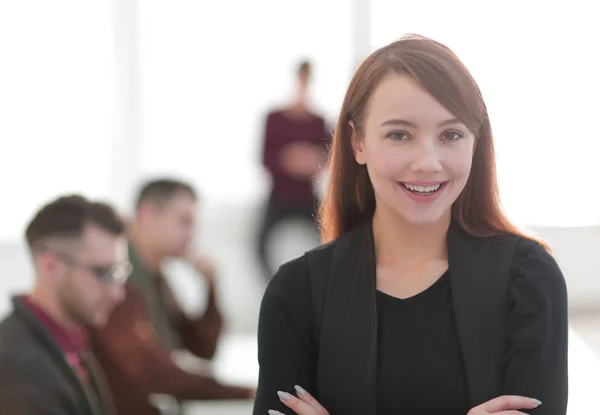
pixel 350 198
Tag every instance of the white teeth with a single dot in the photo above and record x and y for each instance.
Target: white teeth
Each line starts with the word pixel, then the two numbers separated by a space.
pixel 421 189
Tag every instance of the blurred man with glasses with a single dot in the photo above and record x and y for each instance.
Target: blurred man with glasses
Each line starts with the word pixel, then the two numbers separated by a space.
pixel 79 255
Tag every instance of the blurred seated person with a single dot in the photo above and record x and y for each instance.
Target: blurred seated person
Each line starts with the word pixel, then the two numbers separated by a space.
pixel 79 256
pixel 136 348
pixel 295 149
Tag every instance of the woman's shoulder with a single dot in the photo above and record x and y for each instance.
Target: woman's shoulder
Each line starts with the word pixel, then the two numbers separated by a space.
pixel 523 248
pixel 294 292
pixel 300 272
pixel 533 267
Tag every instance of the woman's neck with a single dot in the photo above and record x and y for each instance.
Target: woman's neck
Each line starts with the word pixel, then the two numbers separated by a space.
pixel 399 242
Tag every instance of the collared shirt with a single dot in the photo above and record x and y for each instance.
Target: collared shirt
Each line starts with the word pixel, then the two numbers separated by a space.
pixel 161 306
pixel 73 343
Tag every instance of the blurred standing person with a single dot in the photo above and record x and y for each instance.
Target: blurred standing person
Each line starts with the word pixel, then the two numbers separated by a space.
pixel 294 151
pixel 137 346
pixel 80 260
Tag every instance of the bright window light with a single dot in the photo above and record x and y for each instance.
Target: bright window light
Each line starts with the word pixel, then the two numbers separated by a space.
pixel 537 64
pixel 56 79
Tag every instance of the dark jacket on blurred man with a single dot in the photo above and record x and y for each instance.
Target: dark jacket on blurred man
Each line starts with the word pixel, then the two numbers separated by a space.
pixel 44 369
pixel 78 252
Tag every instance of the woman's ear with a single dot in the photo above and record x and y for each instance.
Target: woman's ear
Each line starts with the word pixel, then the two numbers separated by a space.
pixel 357 144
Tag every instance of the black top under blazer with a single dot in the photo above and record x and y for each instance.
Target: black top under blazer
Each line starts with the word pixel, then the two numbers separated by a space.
pixel 318 323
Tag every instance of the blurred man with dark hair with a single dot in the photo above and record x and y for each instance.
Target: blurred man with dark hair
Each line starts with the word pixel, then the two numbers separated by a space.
pixel 80 260
pixel 294 150
pixel 135 347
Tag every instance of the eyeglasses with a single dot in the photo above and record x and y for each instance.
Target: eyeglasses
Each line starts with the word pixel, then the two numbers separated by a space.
pixel 116 274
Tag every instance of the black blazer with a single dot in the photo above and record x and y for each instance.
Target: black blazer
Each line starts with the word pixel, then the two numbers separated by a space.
pixel 318 323
pixel 36 379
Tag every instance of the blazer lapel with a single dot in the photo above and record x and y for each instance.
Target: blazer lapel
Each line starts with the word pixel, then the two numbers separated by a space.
pixel 99 385
pixel 479 293
pixel 347 365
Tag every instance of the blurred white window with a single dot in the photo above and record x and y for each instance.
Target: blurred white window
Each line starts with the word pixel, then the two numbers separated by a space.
pixel 56 103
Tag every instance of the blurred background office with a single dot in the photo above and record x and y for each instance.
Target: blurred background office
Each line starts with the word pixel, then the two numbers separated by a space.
pixel 98 95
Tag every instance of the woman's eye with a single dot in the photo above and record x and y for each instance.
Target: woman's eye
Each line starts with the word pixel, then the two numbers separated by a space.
pixel 452 135
pixel 398 136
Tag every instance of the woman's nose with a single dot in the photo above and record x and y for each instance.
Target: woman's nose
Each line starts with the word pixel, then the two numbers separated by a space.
pixel 426 158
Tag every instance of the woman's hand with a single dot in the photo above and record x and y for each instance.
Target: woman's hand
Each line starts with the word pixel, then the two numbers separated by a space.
pixel 304 404
pixel 505 405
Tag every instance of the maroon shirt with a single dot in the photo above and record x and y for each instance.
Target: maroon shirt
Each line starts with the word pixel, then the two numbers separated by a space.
pixel 283 129
pixel 73 343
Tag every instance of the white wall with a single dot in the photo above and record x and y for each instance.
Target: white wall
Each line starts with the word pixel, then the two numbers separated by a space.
pixel 56 102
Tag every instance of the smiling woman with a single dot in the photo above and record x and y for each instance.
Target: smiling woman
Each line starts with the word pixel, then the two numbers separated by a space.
pixel 427 299
pixel 423 157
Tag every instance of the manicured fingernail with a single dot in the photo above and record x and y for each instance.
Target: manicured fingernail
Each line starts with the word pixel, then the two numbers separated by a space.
pixel 274 412
pixel 300 390
pixel 284 396
pixel 536 402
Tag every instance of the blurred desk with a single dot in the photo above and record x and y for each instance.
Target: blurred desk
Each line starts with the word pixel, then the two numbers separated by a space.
pixel 237 364
pixel 236 361
pixel 584 377
pixel 218 408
